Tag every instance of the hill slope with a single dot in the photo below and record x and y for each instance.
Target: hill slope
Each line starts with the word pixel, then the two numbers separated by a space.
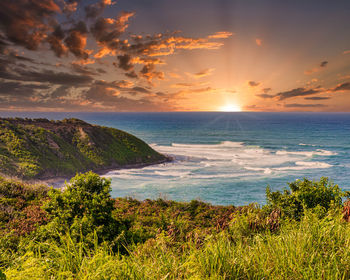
pixel 39 148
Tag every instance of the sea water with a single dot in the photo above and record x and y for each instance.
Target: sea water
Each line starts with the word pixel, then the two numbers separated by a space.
pixel 227 158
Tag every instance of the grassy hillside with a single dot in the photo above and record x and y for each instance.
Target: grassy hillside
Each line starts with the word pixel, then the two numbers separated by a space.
pixel 39 148
pixel 82 233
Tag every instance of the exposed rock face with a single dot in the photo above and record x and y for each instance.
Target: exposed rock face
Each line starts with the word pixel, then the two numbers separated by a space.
pixel 39 148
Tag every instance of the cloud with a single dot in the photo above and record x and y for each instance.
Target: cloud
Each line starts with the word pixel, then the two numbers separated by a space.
pixel 187 85
pixel 297 105
pixel 346 52
pixel 323 63
pixel 107 32
pixel 76 41
pixel 265 95
pixel 297 92
pixel 220 35
pixel 266 90
pixel 141 89
pixel 26 22
pixel 43 76
pixel 253 84
pixel 20 90
pixel 56 23
pixel 82 69
pixel 55 27
pixel 342 87
pixel 321 66
pixel 94 10
pixel 258 42
pixel 125 62
pixel 55 40
pixel 148 72
pixel 185 92
pixel 167 44
pixel 104 97
pixel 203 73
pixel 316 98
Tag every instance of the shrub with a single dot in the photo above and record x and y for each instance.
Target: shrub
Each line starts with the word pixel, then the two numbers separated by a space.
pixel 305 194
pixel 84 208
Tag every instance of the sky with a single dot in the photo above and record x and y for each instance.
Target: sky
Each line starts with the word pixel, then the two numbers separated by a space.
pixel 183 55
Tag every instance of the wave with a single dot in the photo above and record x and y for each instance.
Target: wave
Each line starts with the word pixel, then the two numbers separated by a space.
pixel 302 144
pixel 224 160
pixel 318 152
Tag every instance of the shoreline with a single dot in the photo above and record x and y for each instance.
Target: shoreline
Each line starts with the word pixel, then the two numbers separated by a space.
pixel 58 181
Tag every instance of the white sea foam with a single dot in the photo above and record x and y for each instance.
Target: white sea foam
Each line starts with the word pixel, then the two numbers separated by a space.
pixel 318 152
pixel 224 160
pixel 302 144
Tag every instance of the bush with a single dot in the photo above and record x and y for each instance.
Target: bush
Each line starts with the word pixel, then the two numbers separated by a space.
pixel 84 208
pixel 317 196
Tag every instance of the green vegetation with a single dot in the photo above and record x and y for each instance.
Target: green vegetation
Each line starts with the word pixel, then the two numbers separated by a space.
pixel 41 148
pixel 82 233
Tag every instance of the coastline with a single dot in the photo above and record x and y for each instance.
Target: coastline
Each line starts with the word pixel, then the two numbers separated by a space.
pixel 58 181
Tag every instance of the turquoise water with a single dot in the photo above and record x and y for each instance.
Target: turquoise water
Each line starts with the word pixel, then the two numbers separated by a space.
pixel 228 158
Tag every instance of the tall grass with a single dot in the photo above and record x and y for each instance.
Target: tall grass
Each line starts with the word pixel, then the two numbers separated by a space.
pixel 314 248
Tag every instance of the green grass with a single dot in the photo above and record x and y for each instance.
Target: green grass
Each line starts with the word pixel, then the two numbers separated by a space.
pixel 311 249
pixel 164 239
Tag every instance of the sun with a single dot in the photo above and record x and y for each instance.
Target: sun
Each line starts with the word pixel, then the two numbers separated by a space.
pixel 230 107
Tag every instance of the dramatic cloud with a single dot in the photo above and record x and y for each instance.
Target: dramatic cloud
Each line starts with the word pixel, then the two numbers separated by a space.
pixel 55 40
pixel 20 90
pixel 76 40
pixel 124 62
pixel 103 96
pixel 26 22
pixel 94 10
pixel 149 73
pixel 107 32
pixel 45 76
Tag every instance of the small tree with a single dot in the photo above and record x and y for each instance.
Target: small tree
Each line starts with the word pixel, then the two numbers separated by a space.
pixel 84 208
pixel 305 194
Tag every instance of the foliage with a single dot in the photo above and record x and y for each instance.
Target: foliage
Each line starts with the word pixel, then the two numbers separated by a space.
pixel 305 194
pixel 174 240
pixel 84 208
pixel 41 148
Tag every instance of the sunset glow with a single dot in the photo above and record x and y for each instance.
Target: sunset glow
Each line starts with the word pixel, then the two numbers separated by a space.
pixel 230 108
pixel 115 56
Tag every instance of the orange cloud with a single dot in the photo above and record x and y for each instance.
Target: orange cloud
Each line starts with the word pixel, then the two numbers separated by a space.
pixel 258 41
pixel 220 35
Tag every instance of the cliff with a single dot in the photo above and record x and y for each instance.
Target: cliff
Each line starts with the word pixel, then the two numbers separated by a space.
pixel 40 149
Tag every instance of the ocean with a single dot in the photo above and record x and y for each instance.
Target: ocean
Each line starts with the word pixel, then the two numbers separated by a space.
pixel 227 158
